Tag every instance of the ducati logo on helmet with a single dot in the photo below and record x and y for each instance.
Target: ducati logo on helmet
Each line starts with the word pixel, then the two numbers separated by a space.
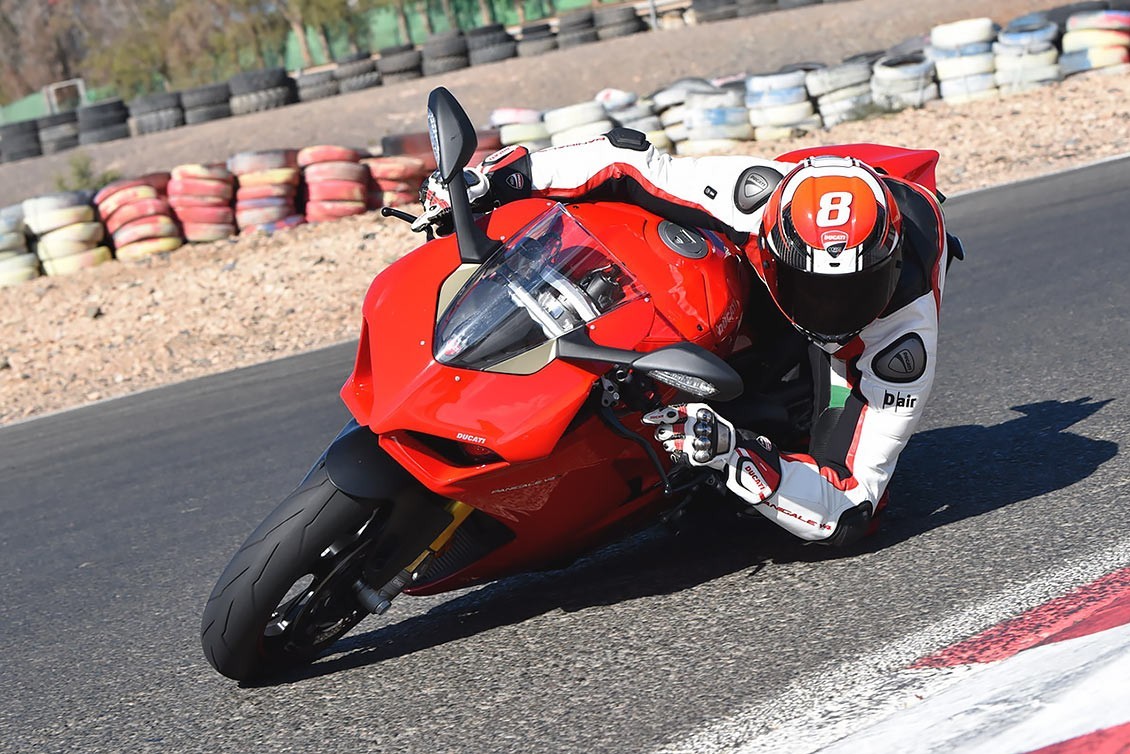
pixel 834 242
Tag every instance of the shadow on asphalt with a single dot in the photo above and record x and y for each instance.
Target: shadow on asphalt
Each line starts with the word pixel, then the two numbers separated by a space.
pixel 945 475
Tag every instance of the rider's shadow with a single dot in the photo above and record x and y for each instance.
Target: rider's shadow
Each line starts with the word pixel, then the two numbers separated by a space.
pixel 945 475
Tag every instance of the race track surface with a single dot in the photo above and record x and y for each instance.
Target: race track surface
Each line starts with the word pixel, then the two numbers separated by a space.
pixel 117 519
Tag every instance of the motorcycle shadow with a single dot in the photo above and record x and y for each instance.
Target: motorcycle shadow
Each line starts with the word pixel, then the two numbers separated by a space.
pixel 983 468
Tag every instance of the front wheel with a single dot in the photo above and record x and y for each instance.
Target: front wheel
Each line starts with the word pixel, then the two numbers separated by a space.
pixel 288 593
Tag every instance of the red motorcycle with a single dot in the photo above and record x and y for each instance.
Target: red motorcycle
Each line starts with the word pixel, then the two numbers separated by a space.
pixel 497 397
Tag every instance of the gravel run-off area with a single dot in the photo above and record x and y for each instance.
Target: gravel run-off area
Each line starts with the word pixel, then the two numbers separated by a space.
pixel 121 327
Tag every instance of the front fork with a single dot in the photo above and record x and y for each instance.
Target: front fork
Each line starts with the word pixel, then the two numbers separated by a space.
pixel 377 601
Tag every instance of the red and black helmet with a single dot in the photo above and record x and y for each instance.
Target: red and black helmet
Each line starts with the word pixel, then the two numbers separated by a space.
pixel 831 247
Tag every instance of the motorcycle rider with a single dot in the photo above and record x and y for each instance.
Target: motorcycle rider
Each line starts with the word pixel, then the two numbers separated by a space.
pixel 854 260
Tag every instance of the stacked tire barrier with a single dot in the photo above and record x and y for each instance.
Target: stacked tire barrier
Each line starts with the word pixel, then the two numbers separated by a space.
pixel 137 215
pixel 638 113
pixel 715 121
pixel 963 58
pixel 842 92
pixel 58 132
pixel 337 184
pixel 20 140
pixel 521 126
pixel 617 21
pixel 444 52
pixel 1025 54
pixel 573 123
pixel 256 91
pixel 755 7
pixel 267 189
pixel 779 105
pixel 206 103
pixel 1095 40
pixel 157 112
pixel 67 235
pixel 708 11
pixel 669 104
pixel 490 44
pixel 395 179
pixel 18 263
pixel 315 86
pixel 575 28
pixel 103 121
pixel 903 80
pixel 200 198
pixel 400 63
pixel 536 39
pixel 357 73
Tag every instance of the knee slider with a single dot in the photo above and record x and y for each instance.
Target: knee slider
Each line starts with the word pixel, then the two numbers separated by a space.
pixel 853 525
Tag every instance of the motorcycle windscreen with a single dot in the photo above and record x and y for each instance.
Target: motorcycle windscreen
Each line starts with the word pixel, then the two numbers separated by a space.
pixel 550 278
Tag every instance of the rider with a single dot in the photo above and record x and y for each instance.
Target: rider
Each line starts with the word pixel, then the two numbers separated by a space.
pixel 854 259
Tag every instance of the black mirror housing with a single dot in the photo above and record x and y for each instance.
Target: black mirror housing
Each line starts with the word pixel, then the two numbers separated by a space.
pixel 452 134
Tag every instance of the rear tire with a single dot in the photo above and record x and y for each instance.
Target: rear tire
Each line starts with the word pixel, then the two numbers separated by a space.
pixel 255 623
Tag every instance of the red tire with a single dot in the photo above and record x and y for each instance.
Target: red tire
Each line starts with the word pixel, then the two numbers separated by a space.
pixel 262 215
pixel 326 153
pixel 336 171
pixel 275 176
pixel 205 232
pixel 215 172
pixel 402 187
pixel 182 201
pixel 326 211
pixel 205 215
pixel 245 193
pixel 156 181
pixel 115 201
pixel 398 199
pixel 247 205
pixel 257 162
pixel 157 226
pixel 200 187
pixel 395 168
pixel 136 211
pixel 337 191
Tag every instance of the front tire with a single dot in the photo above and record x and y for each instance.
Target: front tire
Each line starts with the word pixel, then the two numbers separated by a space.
pixel 287 594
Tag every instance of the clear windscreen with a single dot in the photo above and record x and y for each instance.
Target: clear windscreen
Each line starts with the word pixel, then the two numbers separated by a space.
pixel 549 279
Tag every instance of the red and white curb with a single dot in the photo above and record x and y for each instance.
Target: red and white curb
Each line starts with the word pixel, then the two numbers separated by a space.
pixel 1054 680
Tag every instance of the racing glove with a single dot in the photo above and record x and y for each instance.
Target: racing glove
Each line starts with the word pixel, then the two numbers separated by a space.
pixel 695 433
pixel 436 199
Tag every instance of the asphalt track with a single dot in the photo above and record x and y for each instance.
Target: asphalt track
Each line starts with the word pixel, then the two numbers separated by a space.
pixel 117 518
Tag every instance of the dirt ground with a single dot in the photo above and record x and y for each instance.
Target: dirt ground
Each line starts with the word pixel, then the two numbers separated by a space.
pixel 121 327
pixel 641 63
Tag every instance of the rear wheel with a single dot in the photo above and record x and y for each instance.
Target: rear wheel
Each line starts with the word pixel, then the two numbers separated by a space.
pixel 288 593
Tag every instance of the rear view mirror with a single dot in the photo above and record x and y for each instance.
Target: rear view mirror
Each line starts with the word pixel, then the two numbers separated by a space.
pixel 452 135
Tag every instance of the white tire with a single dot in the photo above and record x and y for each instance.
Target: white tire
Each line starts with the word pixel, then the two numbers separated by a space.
pixel 1006 63
pixel 660 140
pixel 892 68
pixel 1032 75
pixel 616 99
pixel 581 133
pixel 673 115
pixel 961 99
pixel 40 222
pixel 777 133
pixel 736 131
pixel 851 92
pixel 75 262
pixel 968 31
pixel 724 98
pixel 509 116
pixel 907 86
pixel 57 248
pixel 769 81
pixel 966 65
pixel 13 242
pixel 776 97
pixel 516 133
pixel 51 202
pixel 786 115
pixel 633 112
pixel 1002 50
pixel 676 133
pixel 15 277
pixel 716 116
pixel 19 262
pixel 708 146
pixel 88 231
pixel 822 81
pixel 650 123
pixel 967 85
pixel 573 116
pixel 1084 39
pixel 904 100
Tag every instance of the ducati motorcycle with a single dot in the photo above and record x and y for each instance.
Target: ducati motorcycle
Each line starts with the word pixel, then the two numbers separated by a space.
pixel 501 377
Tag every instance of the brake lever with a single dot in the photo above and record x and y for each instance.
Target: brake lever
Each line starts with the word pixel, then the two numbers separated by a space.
pixel 407 217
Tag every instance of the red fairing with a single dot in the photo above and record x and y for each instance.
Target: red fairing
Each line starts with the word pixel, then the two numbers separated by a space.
pixel 917 165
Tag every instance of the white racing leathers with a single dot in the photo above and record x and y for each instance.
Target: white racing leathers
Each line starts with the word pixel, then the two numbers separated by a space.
pixel 870 393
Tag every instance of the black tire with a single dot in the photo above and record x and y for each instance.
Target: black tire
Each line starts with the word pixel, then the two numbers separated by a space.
pixel 573 38
pixel 58 119
pixel 617 14
pixel 493 54
pixel 537 46
pixel 160 120
pixel 486 30
pixel 357 83
pixel 620 30
pixel 236 630
pixel 396 50
pixel 63 143
pixel 207 113
pixel 745 11
pixel 266 99
pixel 106 133
pixel 354 69
pixel 399 62
pixel 796 3
pixel 152 103
pixel 393 78
pixel 307 80
pixel 721 13
pixel 320 91
pixel 483 41
pixel 93 117
pixel 436 66
pixel 22 154
pixel 18 129
pixel 535 30
pixel 353 57
pixel 575 20
pixel 448 45
pixel 247 82
pixel 61 131
pixel 205 96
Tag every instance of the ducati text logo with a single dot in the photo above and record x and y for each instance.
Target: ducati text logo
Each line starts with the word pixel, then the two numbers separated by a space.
pixel 471 438
pixel 754 185
pixel 515 181
pixel 834 241
pixel 898 400
pixel 902 362
pixel 499 155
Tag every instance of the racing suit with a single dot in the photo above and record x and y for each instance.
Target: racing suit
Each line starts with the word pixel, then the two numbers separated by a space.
pixel 869 394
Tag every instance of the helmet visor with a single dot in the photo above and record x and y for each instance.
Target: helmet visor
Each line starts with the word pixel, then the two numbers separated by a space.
pixel 834 308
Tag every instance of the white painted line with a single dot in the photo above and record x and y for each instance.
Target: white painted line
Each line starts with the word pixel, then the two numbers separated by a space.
pixel 829 703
